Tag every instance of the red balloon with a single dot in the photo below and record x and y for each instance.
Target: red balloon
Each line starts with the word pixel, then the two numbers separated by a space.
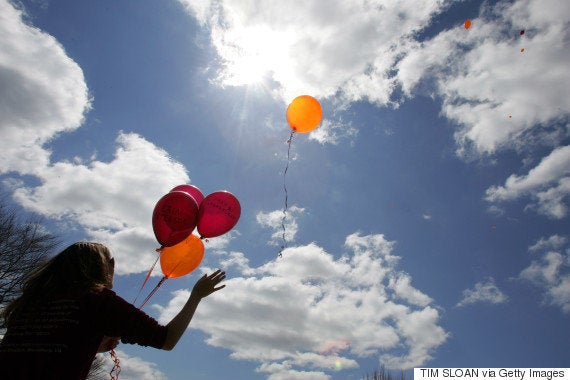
pixel 174 218
pixel 219 213
pixel 182 258
pixel 192 190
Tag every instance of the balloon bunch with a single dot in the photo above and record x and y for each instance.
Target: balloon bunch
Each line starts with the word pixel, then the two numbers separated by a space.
pixel 303 115
pixel 184 208
pixel 175 216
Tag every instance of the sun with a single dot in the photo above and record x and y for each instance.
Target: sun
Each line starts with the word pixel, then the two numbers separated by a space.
pixel 253 54
pixel 246 70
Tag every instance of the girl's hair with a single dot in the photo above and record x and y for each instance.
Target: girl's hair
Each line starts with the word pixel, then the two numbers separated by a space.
pixel 80 267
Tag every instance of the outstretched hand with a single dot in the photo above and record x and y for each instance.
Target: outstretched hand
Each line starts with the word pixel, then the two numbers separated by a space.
pixel 207 285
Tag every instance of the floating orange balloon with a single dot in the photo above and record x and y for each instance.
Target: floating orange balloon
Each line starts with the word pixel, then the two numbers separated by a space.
pixel 467 24
pixel 182 258
pixel 304 114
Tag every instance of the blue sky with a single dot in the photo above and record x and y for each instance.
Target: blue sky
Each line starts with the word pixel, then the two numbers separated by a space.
pixel 428 213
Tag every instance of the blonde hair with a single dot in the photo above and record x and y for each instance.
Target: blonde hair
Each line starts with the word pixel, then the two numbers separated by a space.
pixel 80 267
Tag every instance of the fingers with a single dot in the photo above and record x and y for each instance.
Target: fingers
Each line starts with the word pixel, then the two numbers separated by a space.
pixel 217 277
pixel 218 273
pixel 208 284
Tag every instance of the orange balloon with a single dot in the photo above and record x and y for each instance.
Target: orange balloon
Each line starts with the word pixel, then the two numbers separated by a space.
pixel 304 114
pixel 182 258
pixel 467 24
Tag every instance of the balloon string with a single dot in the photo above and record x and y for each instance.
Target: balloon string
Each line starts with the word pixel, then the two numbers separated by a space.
pixel 153 291
pixel 284 245
pixel 116 370
pixel 159 250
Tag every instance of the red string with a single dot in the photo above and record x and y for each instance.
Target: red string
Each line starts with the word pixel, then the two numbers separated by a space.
pixel 116 366
pixel 159 250
pixel 116 370
pixel 153 291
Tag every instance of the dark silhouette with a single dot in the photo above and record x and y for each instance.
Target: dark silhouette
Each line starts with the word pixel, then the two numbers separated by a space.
pixel 384 374
pixel 67 313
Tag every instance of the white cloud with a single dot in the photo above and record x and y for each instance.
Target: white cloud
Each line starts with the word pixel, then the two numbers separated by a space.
pixel 484 291
pixel 281 223
pixel 133 367
pixel 42 93
pixel 488 86
pixel 112 201
pixel 548 183
pixel 554 242
pixel 302 313
pixel 401 284
pixel 311 46
pixel 550 272
pixel 332 133
pixel 502 98
pixel 480 73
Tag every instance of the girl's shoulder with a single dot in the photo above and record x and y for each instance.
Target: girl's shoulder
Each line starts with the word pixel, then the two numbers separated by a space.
pixel 105 296
pixel 99 293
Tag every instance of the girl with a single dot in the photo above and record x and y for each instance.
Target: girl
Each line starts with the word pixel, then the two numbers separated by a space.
pixel 67 312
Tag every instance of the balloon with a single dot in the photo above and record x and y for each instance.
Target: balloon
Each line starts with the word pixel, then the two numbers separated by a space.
pixel 192 190
pixel 182 258
pixel 174 218
pixel 467 24
pixel 219 213
pixel 304 114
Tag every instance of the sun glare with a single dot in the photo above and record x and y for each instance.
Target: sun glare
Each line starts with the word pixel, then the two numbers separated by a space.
pixel 255 54
pixel 246 70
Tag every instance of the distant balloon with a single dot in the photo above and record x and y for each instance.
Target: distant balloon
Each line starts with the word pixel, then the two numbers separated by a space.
pixel 182 258
pixel 304 114
pixel 192 190
pixel 467 24
pixel 522 50
pixel 174 218
pixel 218 214
pixel 521 32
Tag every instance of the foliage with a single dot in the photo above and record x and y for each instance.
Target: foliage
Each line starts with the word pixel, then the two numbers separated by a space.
pixel 23 246
pixel 384 374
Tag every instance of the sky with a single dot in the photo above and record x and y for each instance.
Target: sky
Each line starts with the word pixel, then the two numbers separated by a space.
pixel 427 219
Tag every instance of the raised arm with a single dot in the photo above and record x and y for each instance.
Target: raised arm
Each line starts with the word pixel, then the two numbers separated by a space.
pixel 205 286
